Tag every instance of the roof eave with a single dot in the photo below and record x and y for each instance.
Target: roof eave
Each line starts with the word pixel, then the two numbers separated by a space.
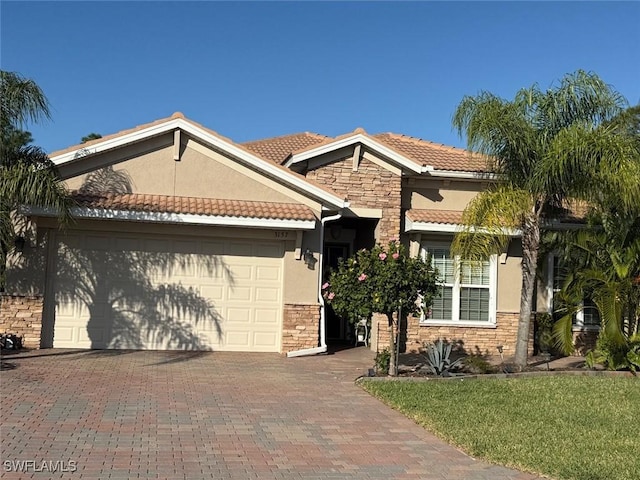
pixel 177 218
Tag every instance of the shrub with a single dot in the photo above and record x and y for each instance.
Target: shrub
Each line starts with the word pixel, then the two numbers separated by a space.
pixel 477 365
pixel 438 359
pixel 382 361
pixel 381 280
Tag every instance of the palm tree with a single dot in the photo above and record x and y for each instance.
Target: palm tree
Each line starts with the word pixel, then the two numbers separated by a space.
pixel 547 149
pixel 27 175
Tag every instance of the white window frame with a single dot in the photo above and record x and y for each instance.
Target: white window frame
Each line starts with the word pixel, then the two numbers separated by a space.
pixel 578 322
pixel 457 286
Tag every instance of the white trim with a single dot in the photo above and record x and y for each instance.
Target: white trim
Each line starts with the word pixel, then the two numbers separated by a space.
pixel 165 217
pixel 461 174
pixel 307 351
pixel 453 323
pixel 244 156
pixel 355 139
pixel 412 226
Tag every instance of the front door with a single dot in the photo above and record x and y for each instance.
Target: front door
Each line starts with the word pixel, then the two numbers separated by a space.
pixel 337 328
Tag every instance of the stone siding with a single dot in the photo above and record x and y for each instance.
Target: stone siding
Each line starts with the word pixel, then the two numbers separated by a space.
pixel 22 316
pixel 300 327
pixel 474 340
pixel 371 186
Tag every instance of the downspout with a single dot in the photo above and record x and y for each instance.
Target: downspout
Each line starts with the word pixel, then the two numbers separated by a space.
pixel 323 335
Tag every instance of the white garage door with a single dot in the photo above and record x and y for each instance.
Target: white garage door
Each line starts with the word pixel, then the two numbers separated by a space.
pixel 160 292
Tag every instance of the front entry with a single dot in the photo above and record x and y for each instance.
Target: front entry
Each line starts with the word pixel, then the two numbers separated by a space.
pixel 337 327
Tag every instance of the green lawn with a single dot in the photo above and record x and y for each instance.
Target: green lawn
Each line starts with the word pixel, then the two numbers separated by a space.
pixel 583 428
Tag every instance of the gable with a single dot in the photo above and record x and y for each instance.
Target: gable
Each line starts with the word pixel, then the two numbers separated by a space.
pixel 149 168
pixel 176 157
pixel 357 144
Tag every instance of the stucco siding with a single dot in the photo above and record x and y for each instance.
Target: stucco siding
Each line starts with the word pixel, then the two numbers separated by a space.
pixel 440 194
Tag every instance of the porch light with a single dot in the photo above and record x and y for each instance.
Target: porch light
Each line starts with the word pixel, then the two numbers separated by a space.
pixel 309 259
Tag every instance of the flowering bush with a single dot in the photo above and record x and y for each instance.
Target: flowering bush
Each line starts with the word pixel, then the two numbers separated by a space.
pixel 380 280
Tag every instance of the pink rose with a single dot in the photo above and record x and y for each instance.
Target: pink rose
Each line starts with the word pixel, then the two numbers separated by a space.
pixel 325 286
pixel 362 277
pixel 396 256
pixel 382 256
pixel 331 295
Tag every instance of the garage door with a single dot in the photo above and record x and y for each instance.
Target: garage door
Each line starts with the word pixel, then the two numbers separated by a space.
pixel 160 292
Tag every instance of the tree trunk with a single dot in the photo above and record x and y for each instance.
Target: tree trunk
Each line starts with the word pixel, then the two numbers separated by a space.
pixel 393 368
pixel 530 247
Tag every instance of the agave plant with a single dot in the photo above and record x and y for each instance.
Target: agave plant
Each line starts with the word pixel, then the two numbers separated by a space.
pixel 438 358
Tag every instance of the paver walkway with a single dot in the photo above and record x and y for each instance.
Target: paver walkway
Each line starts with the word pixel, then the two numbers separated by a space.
pixel 212 415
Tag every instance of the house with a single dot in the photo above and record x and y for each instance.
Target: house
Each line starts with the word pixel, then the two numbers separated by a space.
pixel 184 239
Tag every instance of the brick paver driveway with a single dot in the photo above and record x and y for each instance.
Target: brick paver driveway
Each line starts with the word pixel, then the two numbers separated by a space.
pixel 211 415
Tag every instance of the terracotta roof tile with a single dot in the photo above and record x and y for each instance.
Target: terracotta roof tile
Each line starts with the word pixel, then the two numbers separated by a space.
pixel 195 206
pixel 453 217
pixel 277 149
pixel 441 157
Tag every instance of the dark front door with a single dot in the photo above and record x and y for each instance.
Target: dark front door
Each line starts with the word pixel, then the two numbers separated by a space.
pixel 337 328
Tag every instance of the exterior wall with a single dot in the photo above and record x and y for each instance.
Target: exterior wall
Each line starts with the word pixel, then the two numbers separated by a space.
pixel 300 326
pixel 440 194
pixel 474 340
pixel 301 282
pixel 22 315
pixel 510 279
pixel 26 272
pixel 371 186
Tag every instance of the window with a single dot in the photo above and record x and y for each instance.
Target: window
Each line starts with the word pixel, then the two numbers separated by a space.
pixel 467 293
pixel 588 317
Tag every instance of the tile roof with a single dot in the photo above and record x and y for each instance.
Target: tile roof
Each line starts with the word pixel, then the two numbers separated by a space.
pixel 453 217
pixel 441 157
pixel 195 206
pixel 422 152
pixel 277 149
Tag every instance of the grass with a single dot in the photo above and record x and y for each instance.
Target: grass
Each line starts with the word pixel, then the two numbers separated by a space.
pixel 573 428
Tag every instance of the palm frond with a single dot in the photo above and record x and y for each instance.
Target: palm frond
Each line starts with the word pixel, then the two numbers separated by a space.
pixel 489 221
pixel 21 100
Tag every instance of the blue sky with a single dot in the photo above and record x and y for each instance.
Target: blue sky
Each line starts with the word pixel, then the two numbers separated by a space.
pixel 255 70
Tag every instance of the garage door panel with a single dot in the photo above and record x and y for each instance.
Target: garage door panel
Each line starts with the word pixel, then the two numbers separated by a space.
pixel 237 340
pixel 158 293
pixel 239 294
pixel 264 340
pixel 238 316
pixel 266 294
pixel 213 292
pixel 267 316
pixel 240 272
pixel 268 273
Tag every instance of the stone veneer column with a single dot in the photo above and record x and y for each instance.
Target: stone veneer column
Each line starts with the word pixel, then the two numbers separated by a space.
pixel 300 329
pixel 22 316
